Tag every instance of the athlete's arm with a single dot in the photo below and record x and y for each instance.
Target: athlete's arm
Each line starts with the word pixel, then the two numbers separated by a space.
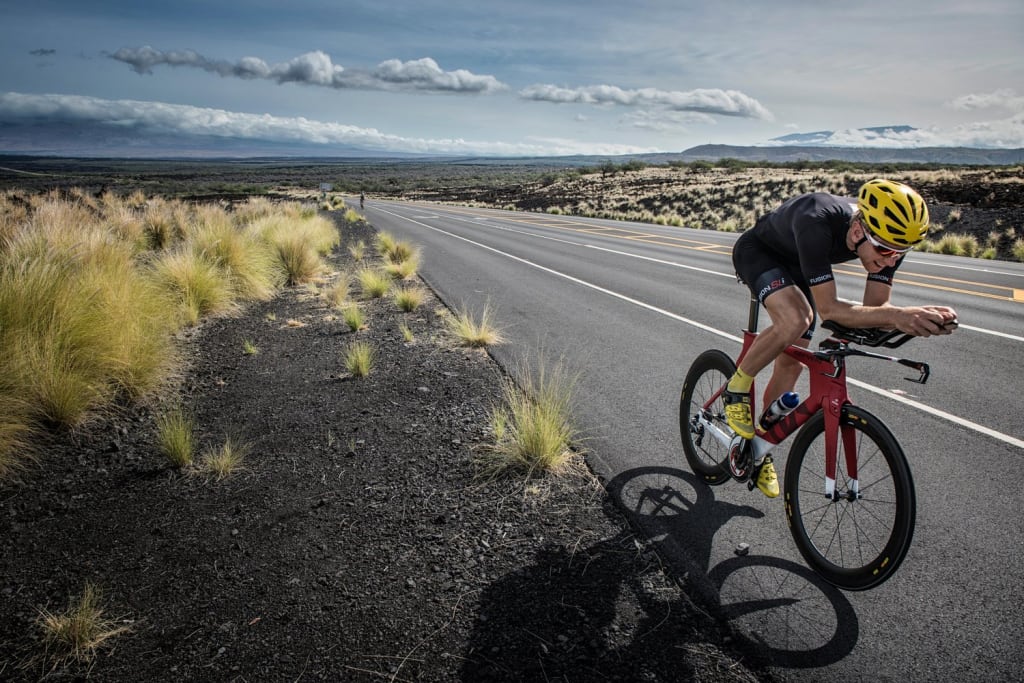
pixel 876 311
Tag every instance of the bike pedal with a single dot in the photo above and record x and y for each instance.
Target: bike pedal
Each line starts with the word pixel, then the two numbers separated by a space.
pixel 739 458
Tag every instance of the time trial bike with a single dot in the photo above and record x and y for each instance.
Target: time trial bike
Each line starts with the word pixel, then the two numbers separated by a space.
pixel 847 488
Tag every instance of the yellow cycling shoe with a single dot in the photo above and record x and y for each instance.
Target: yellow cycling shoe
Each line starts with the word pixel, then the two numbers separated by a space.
pixel 737 413
pixel 767 480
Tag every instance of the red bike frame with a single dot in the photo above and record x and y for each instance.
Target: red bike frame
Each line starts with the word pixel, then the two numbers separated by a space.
pixel 827 368
pixel 828 394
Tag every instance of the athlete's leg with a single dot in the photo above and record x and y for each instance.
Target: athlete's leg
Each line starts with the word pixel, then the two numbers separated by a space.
pixel 785 374
pixel 791 315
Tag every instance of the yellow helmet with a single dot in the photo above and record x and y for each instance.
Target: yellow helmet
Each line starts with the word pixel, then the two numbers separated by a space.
pixel 894 212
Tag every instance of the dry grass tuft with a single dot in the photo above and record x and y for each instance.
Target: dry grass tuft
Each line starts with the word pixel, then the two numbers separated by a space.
pixel 359 359
pixel 533 428
pixel 76 634
pixel 471 332
pixel 175 436
pixel 221 463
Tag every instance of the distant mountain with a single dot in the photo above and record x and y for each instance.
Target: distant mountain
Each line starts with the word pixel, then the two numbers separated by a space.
pixel 95 140
pixel 822 137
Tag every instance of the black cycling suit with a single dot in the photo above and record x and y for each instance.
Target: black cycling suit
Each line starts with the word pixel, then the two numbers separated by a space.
pixel 796 244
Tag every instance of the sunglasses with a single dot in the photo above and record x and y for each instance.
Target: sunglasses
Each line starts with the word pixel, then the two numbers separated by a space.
pixel 882 249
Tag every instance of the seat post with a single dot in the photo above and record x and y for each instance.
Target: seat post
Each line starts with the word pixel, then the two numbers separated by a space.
pixel 752 317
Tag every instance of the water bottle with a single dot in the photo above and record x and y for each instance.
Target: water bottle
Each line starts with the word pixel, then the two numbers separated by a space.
pixel 779 407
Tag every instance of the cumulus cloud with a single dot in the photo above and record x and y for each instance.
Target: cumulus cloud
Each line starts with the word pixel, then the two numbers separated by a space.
pixel 998 134
pixel 159 117
pixel 1002 99
pixel 317 69
pixel 704 100
pixel 665 121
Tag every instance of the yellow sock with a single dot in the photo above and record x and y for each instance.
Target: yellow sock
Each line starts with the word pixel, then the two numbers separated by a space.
pixel 740 382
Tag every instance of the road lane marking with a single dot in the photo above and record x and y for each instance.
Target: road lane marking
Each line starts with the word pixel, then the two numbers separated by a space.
pixel 981 429
pixel 978 289
pixel 676 264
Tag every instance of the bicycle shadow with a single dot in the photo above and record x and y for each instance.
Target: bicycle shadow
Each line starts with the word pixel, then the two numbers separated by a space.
pixel 594 613
pixel 787 612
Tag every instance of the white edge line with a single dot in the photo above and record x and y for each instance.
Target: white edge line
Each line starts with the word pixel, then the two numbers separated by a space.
pixel 1006 438
pixel 940 413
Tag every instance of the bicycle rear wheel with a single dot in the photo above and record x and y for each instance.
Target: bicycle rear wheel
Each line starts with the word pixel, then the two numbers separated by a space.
pixel 855 541
pixel 708 457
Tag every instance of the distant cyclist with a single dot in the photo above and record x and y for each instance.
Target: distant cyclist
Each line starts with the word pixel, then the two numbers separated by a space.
pixel 362 200
pixel 786 261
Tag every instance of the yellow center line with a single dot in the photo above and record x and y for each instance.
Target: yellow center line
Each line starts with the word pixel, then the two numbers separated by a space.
pixel 913 279
pixel 916 280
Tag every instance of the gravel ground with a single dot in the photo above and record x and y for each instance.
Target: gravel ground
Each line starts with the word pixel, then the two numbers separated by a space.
pixel 357 544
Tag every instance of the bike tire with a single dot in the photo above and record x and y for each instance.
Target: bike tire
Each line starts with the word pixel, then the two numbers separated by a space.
pixel 856 544
pixel 708 458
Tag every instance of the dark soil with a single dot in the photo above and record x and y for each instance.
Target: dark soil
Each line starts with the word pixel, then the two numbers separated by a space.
pixel 357 544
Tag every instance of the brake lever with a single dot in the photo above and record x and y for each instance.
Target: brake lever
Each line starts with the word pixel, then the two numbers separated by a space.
pixel 917 365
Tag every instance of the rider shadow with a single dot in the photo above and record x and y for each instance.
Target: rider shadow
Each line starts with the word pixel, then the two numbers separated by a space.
pixel 784 610
pixel 594 613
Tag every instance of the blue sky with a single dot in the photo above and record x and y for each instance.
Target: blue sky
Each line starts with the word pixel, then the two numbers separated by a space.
pixel 528 77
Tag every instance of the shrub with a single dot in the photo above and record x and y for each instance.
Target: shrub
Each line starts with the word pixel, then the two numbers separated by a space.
pixel 353 317
pixel 403 270
pixel 299 242
pixel 224 461
pixel 374 283
pixel 1018 250
pixel 409 299
pixel 472 333
pixel 200 287
pixel 533 428
pixel 247 259
pixel 174 435
pixel 401 251
pixel 297 257
pixel 80 323
pixel 77 633
pixel 358 250
pixel 384 242
pixel 15 419
pixel 359 359
pixel 957 245
pixel 338 292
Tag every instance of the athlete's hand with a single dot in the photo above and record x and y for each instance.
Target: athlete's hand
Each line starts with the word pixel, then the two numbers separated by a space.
pixel 925 321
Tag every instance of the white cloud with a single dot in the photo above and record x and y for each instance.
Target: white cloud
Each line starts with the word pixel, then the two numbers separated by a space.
pixel 997 134
pixel 665 121
pixel 1005 99
pixel 704 100
pixel 316 68
pixel 160 117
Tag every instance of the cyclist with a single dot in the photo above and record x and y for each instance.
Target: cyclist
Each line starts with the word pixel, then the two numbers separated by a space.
pixel 786 261
pixel 362 200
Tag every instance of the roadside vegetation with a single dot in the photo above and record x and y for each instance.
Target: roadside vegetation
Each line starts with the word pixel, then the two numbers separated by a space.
pixel 93 290
pixel 474 332
pixel 75 634
pixel 729 195
pixel 533 428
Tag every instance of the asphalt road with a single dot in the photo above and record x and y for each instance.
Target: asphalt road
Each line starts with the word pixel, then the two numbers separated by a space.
pixel 629 306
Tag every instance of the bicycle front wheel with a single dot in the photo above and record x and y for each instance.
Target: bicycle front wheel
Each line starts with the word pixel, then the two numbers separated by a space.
pixel 857 538
pixel 707 455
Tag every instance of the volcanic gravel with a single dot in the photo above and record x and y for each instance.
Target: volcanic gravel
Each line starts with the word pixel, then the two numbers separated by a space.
pixel 359 542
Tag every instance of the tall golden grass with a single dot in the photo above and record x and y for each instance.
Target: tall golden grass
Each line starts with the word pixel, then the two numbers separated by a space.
pixel 93 289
